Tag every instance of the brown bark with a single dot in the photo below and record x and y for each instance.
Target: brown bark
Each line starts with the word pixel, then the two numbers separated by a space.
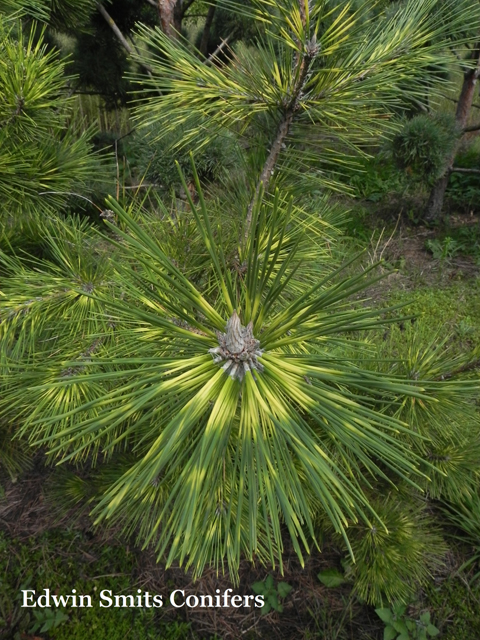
pixel 171 14
pixel 464 106
pixel 166 11
pixel 437 195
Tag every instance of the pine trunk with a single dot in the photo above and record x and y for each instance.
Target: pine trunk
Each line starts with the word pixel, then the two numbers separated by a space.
pixel 464 106
pixel 206 30
pixel 170 13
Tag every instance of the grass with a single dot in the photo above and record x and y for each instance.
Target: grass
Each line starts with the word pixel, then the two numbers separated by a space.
pixel 458 606
pixel 454 310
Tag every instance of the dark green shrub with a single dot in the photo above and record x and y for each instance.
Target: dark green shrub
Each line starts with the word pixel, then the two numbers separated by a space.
pixel 421 147
pixel 154 160
pixel 393 560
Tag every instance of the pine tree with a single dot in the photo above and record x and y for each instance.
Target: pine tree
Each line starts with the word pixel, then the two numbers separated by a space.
pixel 205 352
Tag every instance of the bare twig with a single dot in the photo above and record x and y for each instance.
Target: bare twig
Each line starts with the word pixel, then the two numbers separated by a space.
pixel 123 41
pixel 462 170
pixel 223 44
pixel 477 106
pixel 68 193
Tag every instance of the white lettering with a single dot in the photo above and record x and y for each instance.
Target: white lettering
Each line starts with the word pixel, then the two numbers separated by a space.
pixel 27 597
pixel 172 598
pixel 236 599
pixel 104 595
pixel 203 599
pixel 191 599
pixel 44 598
pixel 123 600
pixel 60 601
pixel 259 601
pixel 89 601
pixel 157 601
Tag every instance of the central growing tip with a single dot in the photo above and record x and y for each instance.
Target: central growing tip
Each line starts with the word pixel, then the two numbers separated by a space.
pixel 238 349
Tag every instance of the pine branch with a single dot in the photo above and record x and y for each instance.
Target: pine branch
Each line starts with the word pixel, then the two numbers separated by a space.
pixel 269 166
pixel 303 64
pixel 123 41
pixel 84 357
pixel 464 68
pixel 24 307
pixel 477 106
pixel 474 127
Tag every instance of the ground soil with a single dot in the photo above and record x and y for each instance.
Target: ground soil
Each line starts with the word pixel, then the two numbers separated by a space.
pixel 408 264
